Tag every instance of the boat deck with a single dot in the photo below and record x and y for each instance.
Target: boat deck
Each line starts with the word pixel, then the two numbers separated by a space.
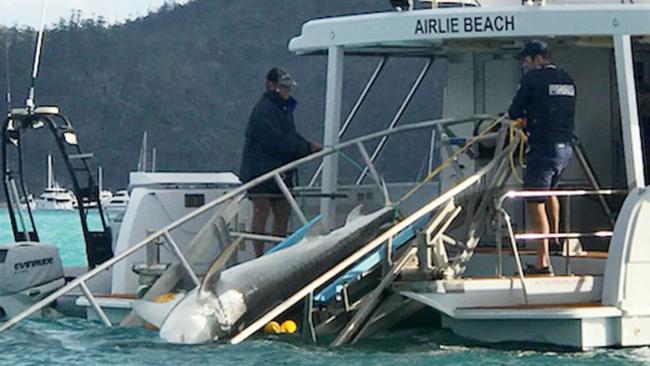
pixel 581 310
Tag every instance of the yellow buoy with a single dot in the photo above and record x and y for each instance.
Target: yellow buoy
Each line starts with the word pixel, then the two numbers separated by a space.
pixel 272 328
pixel 165 297
pixel 289 326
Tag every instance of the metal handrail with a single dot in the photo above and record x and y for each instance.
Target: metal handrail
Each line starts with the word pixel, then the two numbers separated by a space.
pixel 513 237
pixel 538 236
pixel 353 112
pixel 398 115
pixel 561 193
pixel 375 243
pixel 163 232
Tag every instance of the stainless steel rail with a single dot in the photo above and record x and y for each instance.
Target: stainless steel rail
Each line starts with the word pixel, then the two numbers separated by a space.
pixel 374 244
pixel 165 231
pixel 504 217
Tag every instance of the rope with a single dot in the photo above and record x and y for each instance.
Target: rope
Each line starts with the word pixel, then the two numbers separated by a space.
pixel 450 159
pixel 513 129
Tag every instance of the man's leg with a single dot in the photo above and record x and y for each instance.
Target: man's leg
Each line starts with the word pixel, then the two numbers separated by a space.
pixel 538 223
pixel 261 206
pixel 553 214
pixel 281 212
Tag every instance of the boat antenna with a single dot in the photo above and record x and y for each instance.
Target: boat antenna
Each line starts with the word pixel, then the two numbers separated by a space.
pixel 30 104
pixel 7 76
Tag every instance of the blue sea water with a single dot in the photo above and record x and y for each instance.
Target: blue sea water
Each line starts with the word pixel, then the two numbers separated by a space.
pixel 71 341
pixel 61 228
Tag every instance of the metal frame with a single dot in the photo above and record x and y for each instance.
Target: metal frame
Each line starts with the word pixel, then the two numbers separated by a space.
pixel 65 138
pixel 164 232
pixel 353 112
pixel 504 217
pixel 628 108
pixel 398 115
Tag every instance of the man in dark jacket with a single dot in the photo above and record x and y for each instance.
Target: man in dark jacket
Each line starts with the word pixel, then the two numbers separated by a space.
pixel 272 141
pixel 545 99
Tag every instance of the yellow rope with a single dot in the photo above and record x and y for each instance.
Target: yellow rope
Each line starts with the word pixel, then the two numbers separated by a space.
pixel 450 159
pixel 513 129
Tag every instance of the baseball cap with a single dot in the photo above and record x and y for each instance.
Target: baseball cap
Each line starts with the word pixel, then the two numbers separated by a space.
pixel 534 48
pixel 280 76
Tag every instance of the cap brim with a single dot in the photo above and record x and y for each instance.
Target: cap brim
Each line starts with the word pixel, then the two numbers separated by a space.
pixel 288 83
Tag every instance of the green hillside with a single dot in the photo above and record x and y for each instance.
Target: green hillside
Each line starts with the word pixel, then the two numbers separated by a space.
pixel 189 75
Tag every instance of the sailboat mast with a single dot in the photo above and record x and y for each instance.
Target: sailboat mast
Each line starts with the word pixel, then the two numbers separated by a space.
pixel 100 177
pixel 50 174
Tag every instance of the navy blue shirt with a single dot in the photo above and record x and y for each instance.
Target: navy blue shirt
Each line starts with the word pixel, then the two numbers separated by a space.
pixel 546 98
pixel 271 141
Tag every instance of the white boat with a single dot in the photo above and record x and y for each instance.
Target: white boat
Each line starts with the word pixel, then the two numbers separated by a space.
pixel 597 297
pixel 29 202
pixel 117 203
pixel 55 197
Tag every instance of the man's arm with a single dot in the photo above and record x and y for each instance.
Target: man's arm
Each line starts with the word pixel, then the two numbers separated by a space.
pixel 289 145
pixel 520 101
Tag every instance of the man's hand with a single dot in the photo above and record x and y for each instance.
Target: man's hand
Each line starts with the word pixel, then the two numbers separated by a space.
pixel 520 122
pixel 315 147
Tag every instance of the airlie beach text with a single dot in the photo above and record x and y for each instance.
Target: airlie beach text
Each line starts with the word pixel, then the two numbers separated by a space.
pixel 473 24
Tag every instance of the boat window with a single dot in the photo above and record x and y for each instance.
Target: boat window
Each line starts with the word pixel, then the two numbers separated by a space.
pixel 194 200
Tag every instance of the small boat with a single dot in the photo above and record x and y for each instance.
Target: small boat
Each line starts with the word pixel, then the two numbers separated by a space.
pixel 55 197
pixel 116 204
pixel 29 202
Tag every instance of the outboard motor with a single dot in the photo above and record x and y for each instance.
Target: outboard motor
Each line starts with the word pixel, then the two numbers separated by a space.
pixel 29 271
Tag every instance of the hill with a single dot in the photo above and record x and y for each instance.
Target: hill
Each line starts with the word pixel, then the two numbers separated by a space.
pixel 189 75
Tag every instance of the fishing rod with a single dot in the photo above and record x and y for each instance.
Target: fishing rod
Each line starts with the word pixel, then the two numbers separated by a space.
pixel 30 102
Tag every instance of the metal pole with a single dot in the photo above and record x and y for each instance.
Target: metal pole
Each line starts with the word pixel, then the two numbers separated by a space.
pixel 353 112
pixel 181 258
pixel 499 242
pixel 628 106
pixel 289 197
pixel 586 167
pixel 16 198
pixel 398 115
pixel 30 102
pixel 374 173
pixel 93 302
pixel 333 101
pixel 515 252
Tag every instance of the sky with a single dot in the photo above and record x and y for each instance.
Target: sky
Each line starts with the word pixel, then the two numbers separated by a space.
pixel 28 12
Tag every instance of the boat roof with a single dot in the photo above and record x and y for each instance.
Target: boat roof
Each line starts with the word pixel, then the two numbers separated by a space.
pixel 442 30
pixel 148 178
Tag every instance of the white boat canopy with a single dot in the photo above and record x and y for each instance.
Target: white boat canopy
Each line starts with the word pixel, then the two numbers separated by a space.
pixel 437 31
pixel 466 29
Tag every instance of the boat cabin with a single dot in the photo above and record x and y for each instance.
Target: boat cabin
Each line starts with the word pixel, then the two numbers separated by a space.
pixel 595 299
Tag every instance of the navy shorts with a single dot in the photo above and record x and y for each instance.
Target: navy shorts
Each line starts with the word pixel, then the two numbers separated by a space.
pixel 545 163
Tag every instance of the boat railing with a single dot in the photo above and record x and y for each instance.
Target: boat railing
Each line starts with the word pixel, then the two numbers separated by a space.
pixel 393 123
pixel 504 219
pixel 437 217
pixel 164 234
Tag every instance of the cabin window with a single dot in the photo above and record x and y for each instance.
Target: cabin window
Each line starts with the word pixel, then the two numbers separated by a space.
pixel 3 256
pixel 194 200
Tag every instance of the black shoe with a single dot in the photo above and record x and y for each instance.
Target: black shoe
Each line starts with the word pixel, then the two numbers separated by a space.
pixel 530 270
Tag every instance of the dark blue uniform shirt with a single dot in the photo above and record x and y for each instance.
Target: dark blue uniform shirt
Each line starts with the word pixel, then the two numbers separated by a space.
pixel 271 141
pixel 546 98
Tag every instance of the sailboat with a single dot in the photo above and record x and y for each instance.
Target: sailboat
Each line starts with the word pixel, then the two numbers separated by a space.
pixel 55 197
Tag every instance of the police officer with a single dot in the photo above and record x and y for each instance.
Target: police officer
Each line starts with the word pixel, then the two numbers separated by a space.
pixel 272 141
pixel 545 101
